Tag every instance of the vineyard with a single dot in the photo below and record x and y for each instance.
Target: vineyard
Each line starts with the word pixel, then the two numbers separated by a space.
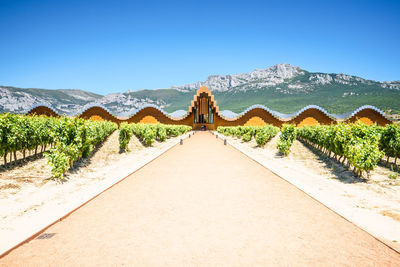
pixel 148 133
pixel 65 140
pixel 361 146
pixel 69 139
pixel 356 146
pixel 262 134
pixel 73 139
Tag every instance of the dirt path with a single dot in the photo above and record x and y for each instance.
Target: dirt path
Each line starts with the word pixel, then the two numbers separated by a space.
pixel 372 204
pixel 203 203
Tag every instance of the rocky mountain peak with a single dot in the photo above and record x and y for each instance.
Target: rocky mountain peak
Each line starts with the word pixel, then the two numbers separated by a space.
pixel 265 77
pixel 285 70
pixel 280 81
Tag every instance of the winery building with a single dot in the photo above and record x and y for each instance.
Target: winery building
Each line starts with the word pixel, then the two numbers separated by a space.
pixel 203 112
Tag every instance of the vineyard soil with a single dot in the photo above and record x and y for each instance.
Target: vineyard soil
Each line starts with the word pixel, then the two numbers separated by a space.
pixel 30 156
pixel 372 204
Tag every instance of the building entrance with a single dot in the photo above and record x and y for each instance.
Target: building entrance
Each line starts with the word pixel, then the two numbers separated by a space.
pixel 204 112
pixel 204 109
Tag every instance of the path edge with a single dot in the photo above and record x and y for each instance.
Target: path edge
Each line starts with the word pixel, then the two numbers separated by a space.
pixel 90 198
pixel 287 180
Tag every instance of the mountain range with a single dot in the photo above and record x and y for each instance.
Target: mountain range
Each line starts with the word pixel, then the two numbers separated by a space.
pixel 282 87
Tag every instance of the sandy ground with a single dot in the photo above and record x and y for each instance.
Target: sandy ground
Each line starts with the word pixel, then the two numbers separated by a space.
pixel 29 200
pixel 203 204
pixel 373 204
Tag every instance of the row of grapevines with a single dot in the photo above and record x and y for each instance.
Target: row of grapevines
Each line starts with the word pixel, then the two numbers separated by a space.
pixel 357 143
pixel 244 132
pixel 22 133
pixel 70 138
pixel 266 134
pixel 262 134
pixel 148 133
pixel 73 139
pixel 390 141
pixel 287 137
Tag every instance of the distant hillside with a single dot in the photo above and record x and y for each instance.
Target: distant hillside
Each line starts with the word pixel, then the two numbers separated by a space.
pixel 282 87
pixel 20 100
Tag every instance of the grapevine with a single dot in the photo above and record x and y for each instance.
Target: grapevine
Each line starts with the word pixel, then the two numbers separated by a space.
pixel 70 138
pixel 262 134
pixel 148 133
pixel 356 143
pixel 287 138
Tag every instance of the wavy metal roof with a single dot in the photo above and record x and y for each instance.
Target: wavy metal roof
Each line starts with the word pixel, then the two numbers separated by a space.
pixel 276 114
pixel 41 105
pixel 285 116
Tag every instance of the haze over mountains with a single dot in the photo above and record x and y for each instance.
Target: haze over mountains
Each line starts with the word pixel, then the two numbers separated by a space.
pixel 283 87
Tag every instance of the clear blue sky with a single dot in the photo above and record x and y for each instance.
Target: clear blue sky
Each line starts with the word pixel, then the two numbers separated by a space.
pixel 113 46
